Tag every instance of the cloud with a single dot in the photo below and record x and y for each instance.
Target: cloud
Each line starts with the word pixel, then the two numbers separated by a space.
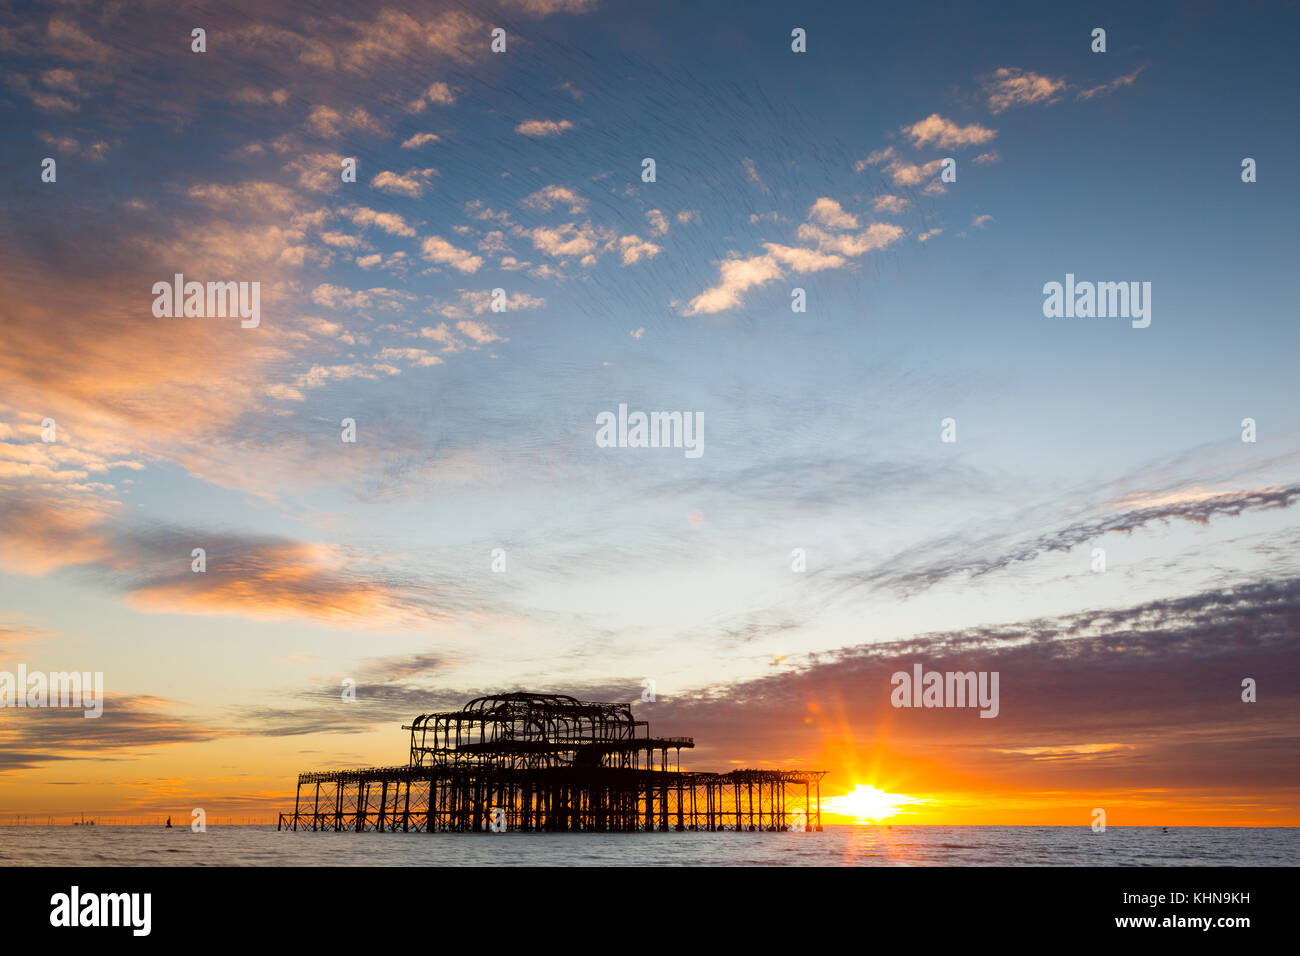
pixel 477 209
pixel 658 222
pixel 68 41
pixel 245 229
pixel 548 197
pixel 411 183
pixel 979 222
pixel 58 91
pixel 438 249
pixel 1079 706
pixel 328 123
pixel 1105 89
pixel 471 302
pixel 902 172
pixel 945 133
pixel 543 127
pixel 320 375
pixel 318 172
pixel 62 80
pixel 271 579
pixel 479 333
pixel 339 297
pixel 544 8
pixel 420 139
pixel 42 534
pixel 419 357
pixel 802 260
pixel 389 222
pixel 494 241
pixel 892 205
pixel 237 196
pixel 635 249
pixel 247 575
pixel 1009 87
pixel 64 144
pixel 41 735
pixel 876 236
pixel 874 159
pixel 340 240
pixel 438 93
pixel 567 240
pixel 13 635
pixel 254 97
pixel 911 573
pixel 910 174
pixel 737 275
pixel 388 691
pixel 331 43
pixel 830 214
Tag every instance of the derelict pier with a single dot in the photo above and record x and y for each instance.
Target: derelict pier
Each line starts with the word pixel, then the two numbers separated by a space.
pixel 535 762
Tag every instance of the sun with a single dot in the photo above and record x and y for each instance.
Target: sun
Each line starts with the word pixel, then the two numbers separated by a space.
pixel 867 803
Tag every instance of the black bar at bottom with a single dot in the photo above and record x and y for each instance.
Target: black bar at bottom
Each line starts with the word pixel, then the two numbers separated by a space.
pixel 965 905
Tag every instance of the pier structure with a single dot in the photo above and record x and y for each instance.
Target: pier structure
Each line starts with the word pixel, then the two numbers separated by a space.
pixel 542 762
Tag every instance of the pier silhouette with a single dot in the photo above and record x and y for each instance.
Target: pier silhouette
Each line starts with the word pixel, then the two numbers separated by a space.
pixel 543 762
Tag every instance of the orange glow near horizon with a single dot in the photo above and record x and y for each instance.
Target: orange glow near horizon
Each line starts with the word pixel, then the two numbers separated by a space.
pixel 875 775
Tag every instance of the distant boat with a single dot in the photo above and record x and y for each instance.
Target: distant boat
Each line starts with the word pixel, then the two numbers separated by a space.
pixel 169 823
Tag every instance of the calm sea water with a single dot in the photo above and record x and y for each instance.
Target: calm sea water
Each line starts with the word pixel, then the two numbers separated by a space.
pixel 836 846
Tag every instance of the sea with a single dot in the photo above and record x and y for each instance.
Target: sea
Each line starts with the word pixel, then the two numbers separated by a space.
pixel 871 845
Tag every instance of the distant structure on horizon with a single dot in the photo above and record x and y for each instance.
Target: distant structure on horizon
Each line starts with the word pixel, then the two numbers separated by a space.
pixel 547 762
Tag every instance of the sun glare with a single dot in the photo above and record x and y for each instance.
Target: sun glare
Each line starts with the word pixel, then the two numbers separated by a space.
pixel 866 803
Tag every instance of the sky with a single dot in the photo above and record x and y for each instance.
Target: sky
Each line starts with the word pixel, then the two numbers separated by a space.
pixel 827 536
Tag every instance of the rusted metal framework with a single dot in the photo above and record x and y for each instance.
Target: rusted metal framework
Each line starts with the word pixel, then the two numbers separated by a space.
pixel 533 762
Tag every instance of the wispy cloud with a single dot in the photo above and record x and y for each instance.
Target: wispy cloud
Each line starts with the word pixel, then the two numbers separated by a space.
pixel 937 131
pixel 833 250
pixel 1105 89
pixel 542 128
pixel 410 183
pixel 926 566
pixel 1009 87
pixel 40 736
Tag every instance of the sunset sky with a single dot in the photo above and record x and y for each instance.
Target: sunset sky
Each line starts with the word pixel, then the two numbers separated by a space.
pixel 475 430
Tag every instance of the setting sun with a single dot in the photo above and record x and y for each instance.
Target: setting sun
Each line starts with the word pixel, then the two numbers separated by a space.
pixel 866 802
